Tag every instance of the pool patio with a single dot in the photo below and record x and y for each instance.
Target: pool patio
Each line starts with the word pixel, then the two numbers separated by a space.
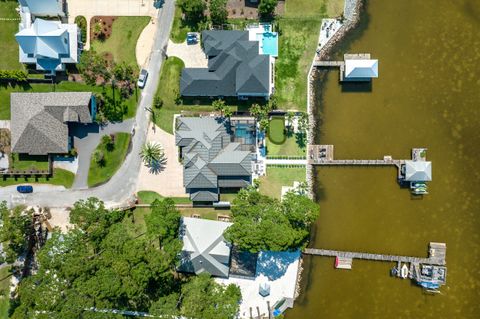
pixel 262 32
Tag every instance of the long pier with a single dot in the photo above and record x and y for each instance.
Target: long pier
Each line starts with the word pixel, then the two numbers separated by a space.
pixel 437 253
pixel 323 155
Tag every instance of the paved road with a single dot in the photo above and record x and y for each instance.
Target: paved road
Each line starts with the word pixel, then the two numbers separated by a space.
pixel 122 186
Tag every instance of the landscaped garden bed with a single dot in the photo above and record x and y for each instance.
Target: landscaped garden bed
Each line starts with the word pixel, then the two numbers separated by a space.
pixel 107 159
pixel 60 177
pixel 120 38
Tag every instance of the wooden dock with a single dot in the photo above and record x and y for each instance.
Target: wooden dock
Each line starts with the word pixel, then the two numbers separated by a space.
pixel 437 254
pixel 320 63
pixel 323 155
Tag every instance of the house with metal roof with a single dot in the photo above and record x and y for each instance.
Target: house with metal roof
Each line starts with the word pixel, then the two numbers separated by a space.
pixel 44 8
pixel 49 44
pixel 204 247
pixel 418 171
pixel 40 121
pixel 236 68
pixel 360 69
pixel 212 157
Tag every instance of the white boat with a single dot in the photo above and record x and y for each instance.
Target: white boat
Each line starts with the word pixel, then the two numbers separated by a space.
pixel 404 271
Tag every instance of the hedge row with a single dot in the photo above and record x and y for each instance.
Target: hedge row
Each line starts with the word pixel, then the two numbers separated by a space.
pixel 15 75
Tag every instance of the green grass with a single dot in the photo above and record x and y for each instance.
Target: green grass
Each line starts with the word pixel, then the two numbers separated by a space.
pixel 5 277
pixel 299 28
pixel 8 29
pixel 60 177
pixel 123 40
pixel 179 27
pixel 313 8
pixel 113 160
pixel 276 130
pixel 124 109
pixel 147 197
pixel 271 184
pixel 27 162
pixel 289 147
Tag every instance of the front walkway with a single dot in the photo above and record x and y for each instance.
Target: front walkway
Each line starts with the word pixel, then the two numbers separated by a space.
pixel 191 54
pixel 168 182
pixel 91 8
pixel 86 140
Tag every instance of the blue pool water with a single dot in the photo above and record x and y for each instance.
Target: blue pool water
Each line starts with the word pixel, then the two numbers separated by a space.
pixel 243 131
pixel 269 43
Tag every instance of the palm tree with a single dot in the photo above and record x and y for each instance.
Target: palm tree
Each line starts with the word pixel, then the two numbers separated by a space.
pixel 153 156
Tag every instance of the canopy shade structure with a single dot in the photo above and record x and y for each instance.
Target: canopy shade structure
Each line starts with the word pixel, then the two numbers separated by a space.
pixel 361 68
pixel 418 171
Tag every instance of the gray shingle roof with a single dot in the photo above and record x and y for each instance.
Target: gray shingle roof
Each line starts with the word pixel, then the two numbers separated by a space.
pixel 39 120
pixel 208 154
pixel 235 67
pixel 204 248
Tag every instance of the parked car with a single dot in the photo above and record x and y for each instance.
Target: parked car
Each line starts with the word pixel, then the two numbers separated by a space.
pixel 142 78
pixel 25 189
pixel 192 38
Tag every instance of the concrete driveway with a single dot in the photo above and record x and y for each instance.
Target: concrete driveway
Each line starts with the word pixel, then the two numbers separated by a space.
pixel 86 140
pixel 191 54
pixel 91 8
pixel 169 181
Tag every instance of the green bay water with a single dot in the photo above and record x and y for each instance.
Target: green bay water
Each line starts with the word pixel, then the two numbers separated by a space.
pixel 427 95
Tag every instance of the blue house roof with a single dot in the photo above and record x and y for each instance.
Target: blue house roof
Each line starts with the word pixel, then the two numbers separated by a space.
pixel 44 7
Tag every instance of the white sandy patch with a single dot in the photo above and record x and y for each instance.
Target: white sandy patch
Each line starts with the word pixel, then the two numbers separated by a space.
pixel 60 218
pixel 145 44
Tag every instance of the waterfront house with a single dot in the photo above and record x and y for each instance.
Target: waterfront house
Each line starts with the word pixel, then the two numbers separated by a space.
pixel 40 121
pixel 215 156
pixel 236 68
pixel 204 248
pixel 49 44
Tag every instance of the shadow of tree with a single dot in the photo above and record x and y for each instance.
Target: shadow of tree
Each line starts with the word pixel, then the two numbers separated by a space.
pixel 156 167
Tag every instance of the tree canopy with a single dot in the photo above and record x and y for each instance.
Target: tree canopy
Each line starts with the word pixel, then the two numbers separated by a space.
pixel 16 226
pixel 218 11
pixel 264 223
pixel 193 9
pixel 108 263
pixel 266 8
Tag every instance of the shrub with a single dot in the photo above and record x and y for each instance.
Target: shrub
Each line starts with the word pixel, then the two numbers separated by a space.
pixel 14 75
pixel 157 102
pixel 107 141
pixel 99 157
pixel 81 22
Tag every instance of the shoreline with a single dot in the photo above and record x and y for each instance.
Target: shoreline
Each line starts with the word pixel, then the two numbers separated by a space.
pixel 324 54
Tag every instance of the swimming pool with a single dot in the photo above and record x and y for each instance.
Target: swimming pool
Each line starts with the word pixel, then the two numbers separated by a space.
pixel 245 132
pixel 269 43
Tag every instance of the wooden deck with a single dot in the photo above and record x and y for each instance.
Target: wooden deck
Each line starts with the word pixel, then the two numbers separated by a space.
pixel 324 155
pixel 437 254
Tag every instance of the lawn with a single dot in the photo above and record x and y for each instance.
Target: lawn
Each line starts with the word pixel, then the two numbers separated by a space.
pixel 299 28
pixel 122 42
pixel 179 27
pixel 60 177
pixel 113 159
pixel 147 197
pixel 313 8
pixel 24 162
pixel 276 177
pixel 289 147
pixel 276 130
pixel 122 109
pixel 9 52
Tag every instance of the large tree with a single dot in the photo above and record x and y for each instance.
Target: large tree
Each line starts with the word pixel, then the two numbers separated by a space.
pixel 16 228
pixel 193 9
pixel 264 223
pixel 218 11
pixel 266 8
